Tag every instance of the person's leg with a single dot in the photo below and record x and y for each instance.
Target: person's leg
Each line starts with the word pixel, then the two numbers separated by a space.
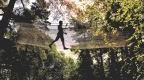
pixel 63 43
pixel 54 41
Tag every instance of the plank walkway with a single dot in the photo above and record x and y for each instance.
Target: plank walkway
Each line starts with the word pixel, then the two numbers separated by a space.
pixel 29 35
pixel 112 41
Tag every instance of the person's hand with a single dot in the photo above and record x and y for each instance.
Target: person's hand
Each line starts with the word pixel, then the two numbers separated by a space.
pixel 66 24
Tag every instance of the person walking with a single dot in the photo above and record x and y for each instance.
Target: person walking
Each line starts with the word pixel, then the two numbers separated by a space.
pixel 59 35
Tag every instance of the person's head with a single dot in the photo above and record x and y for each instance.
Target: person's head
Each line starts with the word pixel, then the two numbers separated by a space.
pixel 60 22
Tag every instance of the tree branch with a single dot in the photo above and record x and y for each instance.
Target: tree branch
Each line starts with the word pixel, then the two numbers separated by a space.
pixel 1 14
pixel 23 4
pixel 2 7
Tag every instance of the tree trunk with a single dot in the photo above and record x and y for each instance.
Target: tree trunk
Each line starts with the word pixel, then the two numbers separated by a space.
pixel 114 71
pixel 85 70
pixel 99 59
pixel 101 65
pixel 6 17
pixel 23 4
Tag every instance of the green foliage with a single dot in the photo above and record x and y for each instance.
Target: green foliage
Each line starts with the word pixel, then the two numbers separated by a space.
pixel 127 16
pixel 2 2
pixel 38 63
pixel 114 16
pixel 94 17
pixel 29 15
pixel 104 16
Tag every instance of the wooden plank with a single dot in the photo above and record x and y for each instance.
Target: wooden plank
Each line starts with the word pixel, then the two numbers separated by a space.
pixel 29 35
pixel 113 42
pixel 96 46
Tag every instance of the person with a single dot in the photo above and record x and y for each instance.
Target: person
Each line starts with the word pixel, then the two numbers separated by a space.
pixel 59 35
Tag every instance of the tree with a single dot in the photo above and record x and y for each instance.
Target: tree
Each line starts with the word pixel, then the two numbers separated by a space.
pixel 8 11
pixel 6 17
pixel 24 64
pixel 113 16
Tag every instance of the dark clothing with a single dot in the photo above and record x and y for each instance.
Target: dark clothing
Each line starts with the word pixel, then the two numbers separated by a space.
pixel 60 29
pixel 60 35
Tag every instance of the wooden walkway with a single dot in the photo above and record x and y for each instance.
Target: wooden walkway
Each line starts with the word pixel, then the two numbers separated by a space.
pixel 95 45
pixel 29 35
pixel 112 41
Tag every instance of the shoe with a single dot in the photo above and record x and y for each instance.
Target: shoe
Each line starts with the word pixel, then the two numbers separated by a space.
pixel 66 48
pixel 50 46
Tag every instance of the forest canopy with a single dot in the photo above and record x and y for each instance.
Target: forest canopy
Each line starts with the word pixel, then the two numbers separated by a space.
pixel 97 17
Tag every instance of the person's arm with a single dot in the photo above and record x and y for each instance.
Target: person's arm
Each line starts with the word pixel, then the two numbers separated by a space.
pixel 66 25
pixel 65 33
